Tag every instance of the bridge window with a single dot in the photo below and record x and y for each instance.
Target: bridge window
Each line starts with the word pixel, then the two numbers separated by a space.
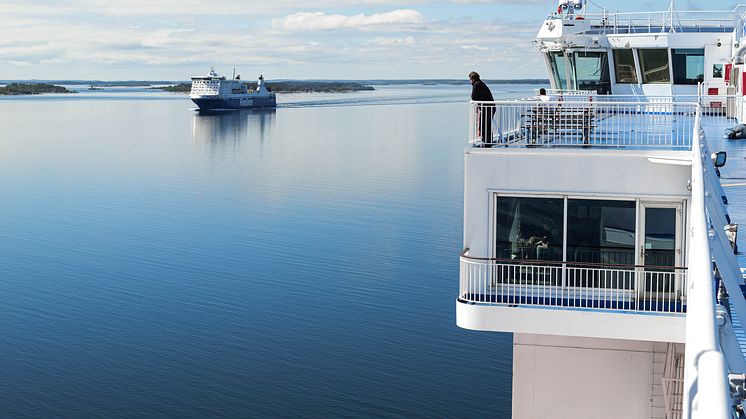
pixel 654 65
pixel 688 65
pixel 624 66
pixel 557 64
pixel 590 71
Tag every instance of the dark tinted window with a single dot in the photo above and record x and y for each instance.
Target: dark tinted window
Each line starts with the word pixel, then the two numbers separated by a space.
pixel 688 65
pixel 601 231
pixel 624 66
pixel 529 228
pixel 654 65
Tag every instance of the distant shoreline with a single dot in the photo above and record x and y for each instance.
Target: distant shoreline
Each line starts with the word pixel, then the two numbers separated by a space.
pixel 370 82
pixel 287 87
pixel 19 89
pixel 35 87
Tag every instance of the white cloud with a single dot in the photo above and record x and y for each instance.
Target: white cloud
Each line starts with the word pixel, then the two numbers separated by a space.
pixel 181 8
pixel 409 40
pixel 475 47
pixel 322 21
pixel 43 41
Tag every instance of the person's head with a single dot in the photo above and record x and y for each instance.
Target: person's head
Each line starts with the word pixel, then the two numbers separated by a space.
pixel 543 91
pixel 473 77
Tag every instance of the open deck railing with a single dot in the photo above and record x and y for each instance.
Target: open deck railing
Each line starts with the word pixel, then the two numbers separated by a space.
pixel 577 120
pixel 573 285
pixel 710 105
pixel 665 21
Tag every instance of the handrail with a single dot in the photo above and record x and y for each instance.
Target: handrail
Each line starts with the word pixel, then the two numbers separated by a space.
pixel 627 22
pixel 700 401
pixel 559 262
pixel 565 285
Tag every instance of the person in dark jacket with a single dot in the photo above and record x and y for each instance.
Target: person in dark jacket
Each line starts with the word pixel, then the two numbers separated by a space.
pixel 480 92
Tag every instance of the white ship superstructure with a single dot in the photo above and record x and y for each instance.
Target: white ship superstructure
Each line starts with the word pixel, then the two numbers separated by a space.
pixel 213 91
pixel 595 227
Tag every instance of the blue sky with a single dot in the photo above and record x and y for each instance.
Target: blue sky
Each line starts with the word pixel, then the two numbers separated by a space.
pixel 331 39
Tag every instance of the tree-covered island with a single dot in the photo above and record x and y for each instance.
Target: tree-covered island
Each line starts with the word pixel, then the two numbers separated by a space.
pixel 32 89
pixel 290 87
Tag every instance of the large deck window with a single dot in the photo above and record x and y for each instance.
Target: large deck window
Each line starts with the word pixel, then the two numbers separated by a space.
pixel 624 66
pixel 688 65
pixel 590 71
pixel 654 65
pixel 598 231
pixel 557 64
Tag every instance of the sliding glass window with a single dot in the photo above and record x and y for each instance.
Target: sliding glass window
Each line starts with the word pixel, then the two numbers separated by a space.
pixel 654 65
pixel 624 66
pixel 529 228
pixel 601 231
pixel 688 65
pixel 598 231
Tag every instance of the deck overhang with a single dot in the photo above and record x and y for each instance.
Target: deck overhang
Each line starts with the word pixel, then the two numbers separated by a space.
pixel 654 327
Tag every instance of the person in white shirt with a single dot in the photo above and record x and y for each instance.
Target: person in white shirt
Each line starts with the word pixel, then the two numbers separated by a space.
pixel 543 95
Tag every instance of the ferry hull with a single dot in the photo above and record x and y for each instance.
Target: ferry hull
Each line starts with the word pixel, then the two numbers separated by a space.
pixel 222 103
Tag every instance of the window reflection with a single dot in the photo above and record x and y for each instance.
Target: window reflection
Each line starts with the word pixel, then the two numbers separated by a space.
pixel 601 231
pixel 654 65
pixel 688 65
pixel 529 228
pixel 557 63
pixel 624 66
pixel 591 71
pixel 660 237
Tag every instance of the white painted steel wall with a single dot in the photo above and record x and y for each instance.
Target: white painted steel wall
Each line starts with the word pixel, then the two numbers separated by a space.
pixel 576 378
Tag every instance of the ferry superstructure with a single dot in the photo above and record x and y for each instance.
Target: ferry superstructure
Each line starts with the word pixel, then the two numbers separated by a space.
pixel 213 91
pixel 596 230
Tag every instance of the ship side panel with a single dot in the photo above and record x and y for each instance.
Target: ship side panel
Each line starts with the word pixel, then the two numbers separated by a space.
pixel 561 377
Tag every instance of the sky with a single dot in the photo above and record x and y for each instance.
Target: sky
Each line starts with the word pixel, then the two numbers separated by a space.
pixel 283 39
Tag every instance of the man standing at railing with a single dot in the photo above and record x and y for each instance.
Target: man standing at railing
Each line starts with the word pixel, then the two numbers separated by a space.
pixel 480 92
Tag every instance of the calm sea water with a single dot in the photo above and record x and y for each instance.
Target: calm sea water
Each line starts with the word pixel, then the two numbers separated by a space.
pixel 300 262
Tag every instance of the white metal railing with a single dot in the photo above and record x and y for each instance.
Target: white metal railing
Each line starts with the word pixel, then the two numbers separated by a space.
pixel 566 92
pixel 710 105
pixel 579 121
pixel 706 390
pixel 575 285
pixel 664 21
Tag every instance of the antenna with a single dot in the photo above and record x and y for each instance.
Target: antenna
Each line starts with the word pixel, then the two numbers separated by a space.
pixel 670 14
pixel 234 71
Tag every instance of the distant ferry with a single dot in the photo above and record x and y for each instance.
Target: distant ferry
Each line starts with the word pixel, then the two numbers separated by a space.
pixel 213 91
